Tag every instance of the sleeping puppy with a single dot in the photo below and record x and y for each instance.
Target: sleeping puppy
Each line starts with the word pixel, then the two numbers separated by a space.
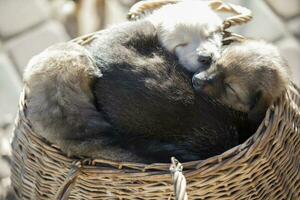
pixel 191 30
pixel 124 97
pixel 248 77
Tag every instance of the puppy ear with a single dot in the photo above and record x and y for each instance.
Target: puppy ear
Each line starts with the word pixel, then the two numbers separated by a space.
pixel 258 108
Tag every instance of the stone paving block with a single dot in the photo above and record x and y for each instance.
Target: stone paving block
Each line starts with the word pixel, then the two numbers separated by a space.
pixel 294 27
pixel 115 12
pixel 10 88
pixel 285 8
pixel 4 178
pixel 265 24
pixel 290 49
pixel 88 18
pixel 65 12
pixel 18 15
pixel 5 171
pixel 23 47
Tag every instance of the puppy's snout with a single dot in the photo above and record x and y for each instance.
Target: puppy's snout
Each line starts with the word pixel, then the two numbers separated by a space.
pixel 201 80
pixel 205 61
pixel 197 83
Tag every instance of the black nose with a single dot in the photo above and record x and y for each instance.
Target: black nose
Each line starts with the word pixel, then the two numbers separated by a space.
pixel 199 83
pixel 205 61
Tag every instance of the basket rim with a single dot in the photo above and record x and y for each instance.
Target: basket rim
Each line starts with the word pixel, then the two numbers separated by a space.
pixel 140 169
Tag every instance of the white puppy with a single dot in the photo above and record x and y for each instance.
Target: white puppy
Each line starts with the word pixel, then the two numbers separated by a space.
pixel 191 30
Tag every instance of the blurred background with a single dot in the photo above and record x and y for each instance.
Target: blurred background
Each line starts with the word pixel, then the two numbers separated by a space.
pixel 29 26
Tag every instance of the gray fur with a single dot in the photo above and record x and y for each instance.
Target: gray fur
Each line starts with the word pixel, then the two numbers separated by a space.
pixel 61 104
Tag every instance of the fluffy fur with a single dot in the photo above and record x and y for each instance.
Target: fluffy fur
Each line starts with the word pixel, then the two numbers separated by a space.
pixel 124 97
pixel 61 103
pixel 191 30
pixel 248 77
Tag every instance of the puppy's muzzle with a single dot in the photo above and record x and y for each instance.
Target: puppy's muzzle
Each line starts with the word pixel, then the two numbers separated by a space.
pixel 204 61
pixel 202 80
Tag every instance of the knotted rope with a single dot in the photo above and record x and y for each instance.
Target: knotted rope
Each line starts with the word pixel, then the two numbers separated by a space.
pixel 179 180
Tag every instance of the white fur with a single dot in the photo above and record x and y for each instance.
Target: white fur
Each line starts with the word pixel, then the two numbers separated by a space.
pixel 189 29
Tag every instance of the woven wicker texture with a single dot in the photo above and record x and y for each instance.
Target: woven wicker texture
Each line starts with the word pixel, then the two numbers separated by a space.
pixel 266 166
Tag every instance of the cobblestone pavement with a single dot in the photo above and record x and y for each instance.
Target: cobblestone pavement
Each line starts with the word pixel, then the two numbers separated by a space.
pixel 26 28
pixel 33 28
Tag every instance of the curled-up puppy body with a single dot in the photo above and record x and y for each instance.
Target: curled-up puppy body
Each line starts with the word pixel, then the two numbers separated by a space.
pixel 116 99
pixel 61 106
pixel 248 77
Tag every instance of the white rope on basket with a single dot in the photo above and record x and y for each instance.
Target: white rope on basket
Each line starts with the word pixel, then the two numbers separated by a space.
pixel 179 180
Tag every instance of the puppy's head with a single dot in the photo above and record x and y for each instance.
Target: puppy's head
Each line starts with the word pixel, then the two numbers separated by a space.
pixel 190 29
pixel 248 77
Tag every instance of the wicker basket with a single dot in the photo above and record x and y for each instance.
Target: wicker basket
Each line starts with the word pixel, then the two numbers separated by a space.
pixel 266 166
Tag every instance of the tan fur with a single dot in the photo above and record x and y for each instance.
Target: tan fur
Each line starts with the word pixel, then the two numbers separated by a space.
pixel 61 104
pixel 248 77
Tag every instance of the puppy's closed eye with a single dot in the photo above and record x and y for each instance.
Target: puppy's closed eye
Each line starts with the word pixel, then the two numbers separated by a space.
pixel 181 45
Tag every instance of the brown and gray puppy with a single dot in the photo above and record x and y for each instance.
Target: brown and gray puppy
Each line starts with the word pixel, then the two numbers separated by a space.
pixel 248 77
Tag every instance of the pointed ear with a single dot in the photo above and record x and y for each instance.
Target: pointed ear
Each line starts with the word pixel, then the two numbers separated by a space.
pixel 259 106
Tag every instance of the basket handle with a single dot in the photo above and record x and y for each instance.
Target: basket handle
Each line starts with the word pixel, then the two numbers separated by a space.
pixel 141 7
pixel 242 14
